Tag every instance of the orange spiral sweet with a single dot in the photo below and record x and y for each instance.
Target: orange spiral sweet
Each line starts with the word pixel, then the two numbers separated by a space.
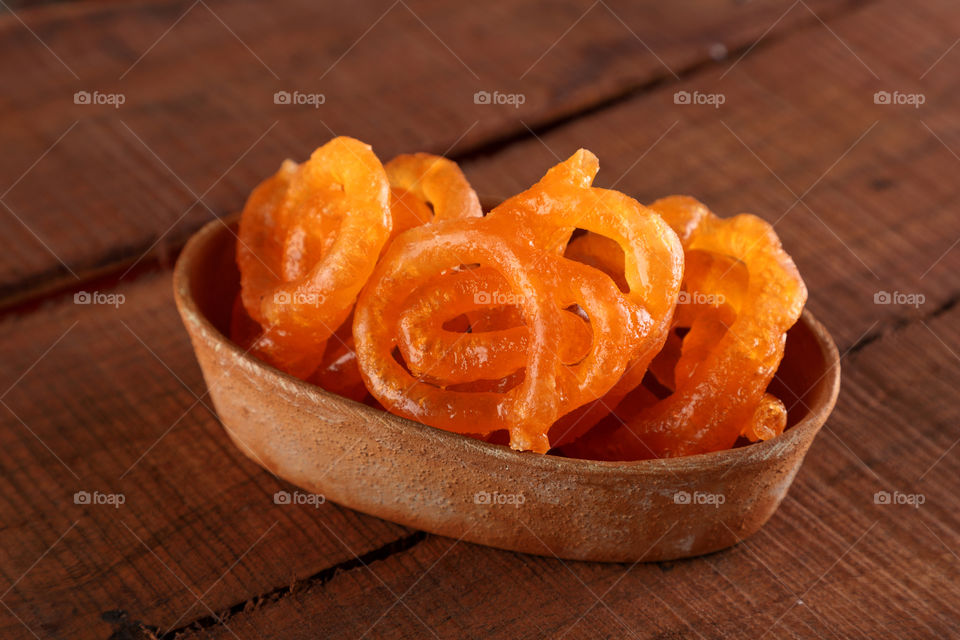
pixel 744 293
pixel 570 318
pixel 309 238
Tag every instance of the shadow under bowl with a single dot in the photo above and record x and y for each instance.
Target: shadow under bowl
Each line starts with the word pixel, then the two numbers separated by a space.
pixel 455 486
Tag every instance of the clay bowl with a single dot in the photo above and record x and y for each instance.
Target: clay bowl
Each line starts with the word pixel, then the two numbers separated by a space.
pixel 459 487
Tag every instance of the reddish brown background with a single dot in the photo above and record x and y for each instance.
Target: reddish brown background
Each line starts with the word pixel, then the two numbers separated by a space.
pixel 110 399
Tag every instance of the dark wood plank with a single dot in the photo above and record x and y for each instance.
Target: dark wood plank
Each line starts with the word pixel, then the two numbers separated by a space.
pixel 199 126
pixel 799 120
pixel 99 399
pixel 859 568
pixel 104 399
pixel 831 563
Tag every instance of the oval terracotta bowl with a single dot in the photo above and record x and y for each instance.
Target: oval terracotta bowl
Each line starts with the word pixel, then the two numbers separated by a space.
pixel 459 487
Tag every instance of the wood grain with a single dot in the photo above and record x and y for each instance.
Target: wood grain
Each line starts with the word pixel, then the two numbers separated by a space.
pixel 876 183
pixel 852 563
pixel 199 519
pixel 112 407
pixel 831 563
pixel 199 126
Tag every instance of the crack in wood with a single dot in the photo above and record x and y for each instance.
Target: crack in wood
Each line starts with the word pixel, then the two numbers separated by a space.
pixel 48 286
pixel 319 578
pixel 127 629
pixel 508 139
pixel 900 323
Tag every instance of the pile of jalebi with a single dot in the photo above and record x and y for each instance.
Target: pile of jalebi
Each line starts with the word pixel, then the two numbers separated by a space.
pixel 568 318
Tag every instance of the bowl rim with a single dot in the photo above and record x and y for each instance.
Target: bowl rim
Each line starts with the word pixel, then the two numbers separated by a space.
pixel 802 431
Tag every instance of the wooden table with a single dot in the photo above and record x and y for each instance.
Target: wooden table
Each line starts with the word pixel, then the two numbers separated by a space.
pixel 106 398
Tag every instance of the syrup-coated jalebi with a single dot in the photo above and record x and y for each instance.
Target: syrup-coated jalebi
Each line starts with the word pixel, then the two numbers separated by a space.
pixel 741 294
pixel 424 253
pixel 452 356
pixel 548 213
pixel 309 239
pixel 544 217
pixel 427 188
pixel 534 321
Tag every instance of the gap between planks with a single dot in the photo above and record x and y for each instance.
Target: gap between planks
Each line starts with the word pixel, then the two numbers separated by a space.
pixel 141 630
pixel 408 542
pixel 25 302
pixel 138 630
pixel 53 287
